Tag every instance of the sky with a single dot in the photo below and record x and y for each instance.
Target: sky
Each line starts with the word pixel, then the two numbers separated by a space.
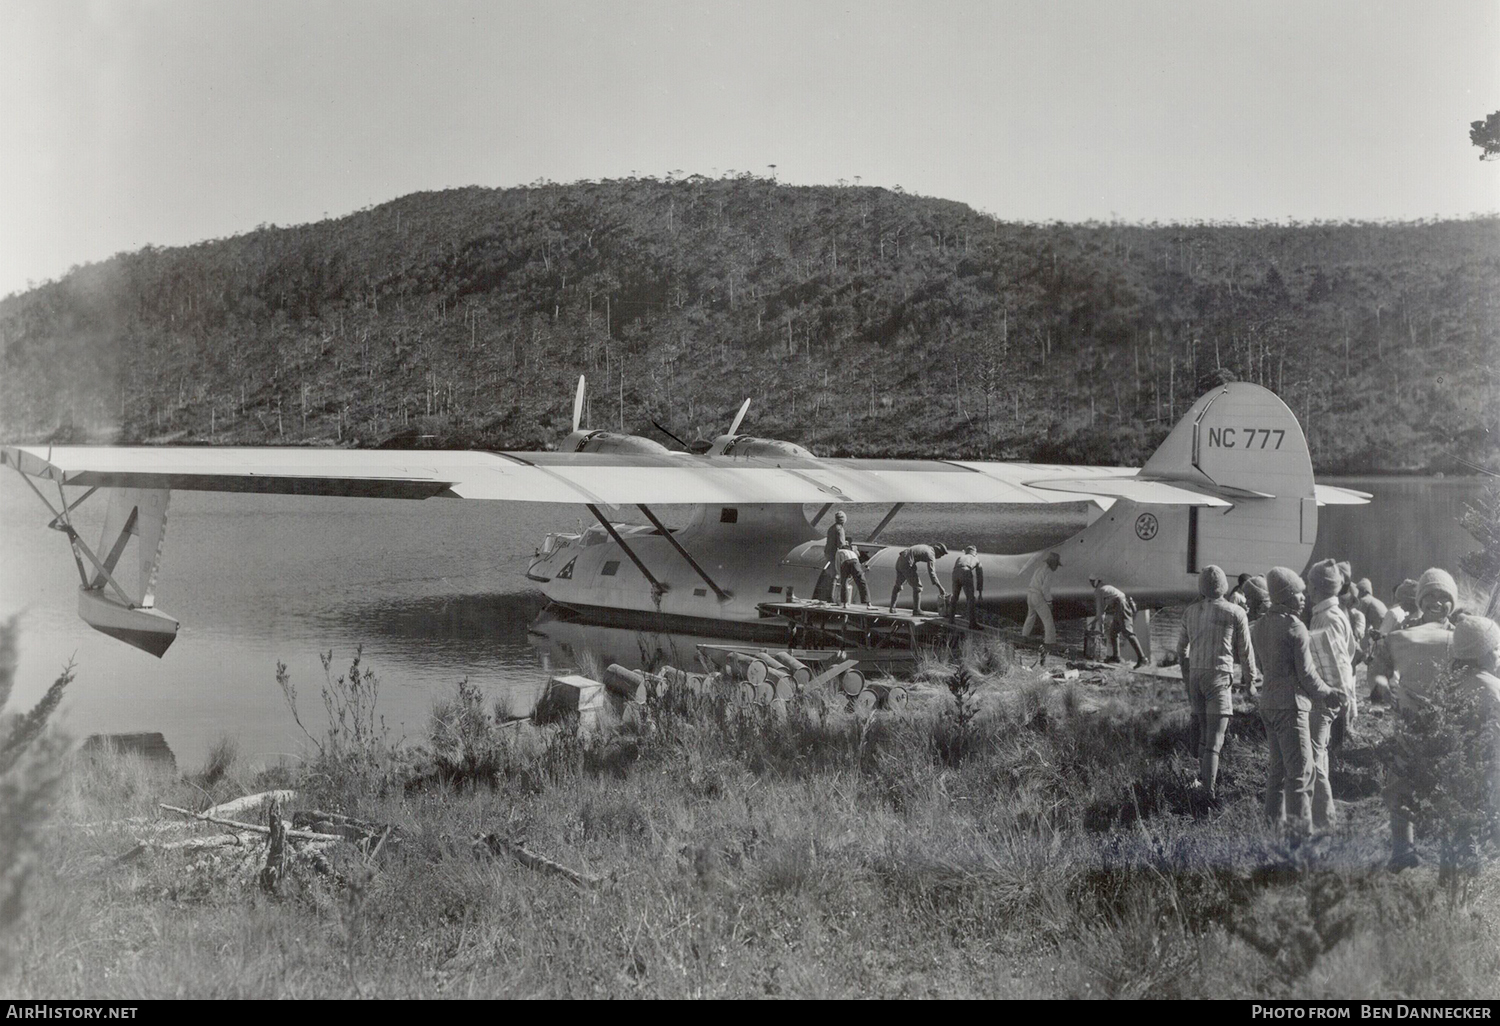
pixel 163 122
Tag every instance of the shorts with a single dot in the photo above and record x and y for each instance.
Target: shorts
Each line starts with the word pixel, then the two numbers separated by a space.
pixel 1209 692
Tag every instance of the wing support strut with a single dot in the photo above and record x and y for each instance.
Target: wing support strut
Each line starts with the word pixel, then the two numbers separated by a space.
pixel 656 586
pixel 724 596
pixel 882 525
pixel 822 513
pixel 61 522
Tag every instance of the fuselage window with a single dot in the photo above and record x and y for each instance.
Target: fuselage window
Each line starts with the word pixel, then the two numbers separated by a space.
pixel 729 515
pixel 610 568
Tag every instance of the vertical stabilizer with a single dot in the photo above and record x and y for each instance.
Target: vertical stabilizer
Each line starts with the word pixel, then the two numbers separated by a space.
pixel 1242 443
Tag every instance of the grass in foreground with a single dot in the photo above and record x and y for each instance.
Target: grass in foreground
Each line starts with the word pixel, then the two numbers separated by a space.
pixel 1031 840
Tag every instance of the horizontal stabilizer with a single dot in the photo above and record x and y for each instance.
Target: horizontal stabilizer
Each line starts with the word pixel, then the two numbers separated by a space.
pixel 1133 488
pixel 1330 495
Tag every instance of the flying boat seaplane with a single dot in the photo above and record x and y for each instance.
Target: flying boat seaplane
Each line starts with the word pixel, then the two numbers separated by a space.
pixel 1231 485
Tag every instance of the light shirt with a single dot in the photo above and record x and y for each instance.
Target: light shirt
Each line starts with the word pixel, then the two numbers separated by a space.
pixel 1112 601
pixel 1041 582
pixel 1333 647
pixel 1215 634
pixel 1416 655
pixel 1395 618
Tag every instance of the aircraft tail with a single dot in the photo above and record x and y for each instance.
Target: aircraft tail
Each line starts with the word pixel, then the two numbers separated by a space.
pixel 1239 443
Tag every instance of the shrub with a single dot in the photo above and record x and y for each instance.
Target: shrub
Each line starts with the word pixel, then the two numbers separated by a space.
pixel 1443 759
pixel 30 770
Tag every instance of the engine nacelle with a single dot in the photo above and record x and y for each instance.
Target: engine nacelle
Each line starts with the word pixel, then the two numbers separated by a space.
pixel 749 445
pixel 610 441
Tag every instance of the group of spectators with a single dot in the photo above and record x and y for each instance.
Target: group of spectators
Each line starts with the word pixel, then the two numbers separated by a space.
pixel 1298 644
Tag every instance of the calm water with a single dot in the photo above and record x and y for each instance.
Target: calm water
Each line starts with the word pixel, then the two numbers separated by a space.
pixel 435 592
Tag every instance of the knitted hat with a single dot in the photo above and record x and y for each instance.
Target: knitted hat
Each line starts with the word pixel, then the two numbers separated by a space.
pixel 1284 585
pixel 1346 574
pixel 1433 581
pixel 1406 594
pixel 1211 582
pixel 1257 596
pixel 1475 637
pixel 840 515
pixel 1363 587
pixel 1323 581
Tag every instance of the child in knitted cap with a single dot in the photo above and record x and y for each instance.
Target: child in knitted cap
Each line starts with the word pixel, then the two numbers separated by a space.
pixel 1405 664
pixel 1283 653
pixel 1476 649
pixel 1403 606
pixel 1332 643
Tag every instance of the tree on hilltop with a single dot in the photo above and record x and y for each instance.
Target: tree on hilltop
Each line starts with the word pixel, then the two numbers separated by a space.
pixel 1486 135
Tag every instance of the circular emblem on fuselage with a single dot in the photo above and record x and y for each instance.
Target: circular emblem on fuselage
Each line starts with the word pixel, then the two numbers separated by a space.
pixel 1145 526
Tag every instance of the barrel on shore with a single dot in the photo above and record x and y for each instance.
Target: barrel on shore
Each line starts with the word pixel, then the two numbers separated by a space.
pixel 735 692
pixel 800 671
pixel 748 667
pixel 628 684
pixel 852 682
pixel 865 702
pixel 890 696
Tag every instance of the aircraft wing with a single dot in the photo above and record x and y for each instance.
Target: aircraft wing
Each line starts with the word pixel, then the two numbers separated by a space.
pixel 601 478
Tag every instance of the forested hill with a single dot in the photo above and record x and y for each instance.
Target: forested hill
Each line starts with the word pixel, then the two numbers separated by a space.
pixel 862 321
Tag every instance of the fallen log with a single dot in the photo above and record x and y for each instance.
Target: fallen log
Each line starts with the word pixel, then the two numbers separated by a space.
pixel 240 806
pixel 254 828
pixel 200 843
pixel 497 845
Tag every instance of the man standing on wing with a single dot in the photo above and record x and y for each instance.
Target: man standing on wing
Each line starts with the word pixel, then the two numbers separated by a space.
pixel 836 539
pixel 848 565
pixel 906 572
pixel 968 576
pixel 1215 635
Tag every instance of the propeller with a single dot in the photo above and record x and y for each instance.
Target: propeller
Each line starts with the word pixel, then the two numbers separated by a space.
pixel 734 428
pixel 578 404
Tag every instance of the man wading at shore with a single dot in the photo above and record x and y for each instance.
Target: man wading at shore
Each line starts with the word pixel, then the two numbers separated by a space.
pixel 1215 635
